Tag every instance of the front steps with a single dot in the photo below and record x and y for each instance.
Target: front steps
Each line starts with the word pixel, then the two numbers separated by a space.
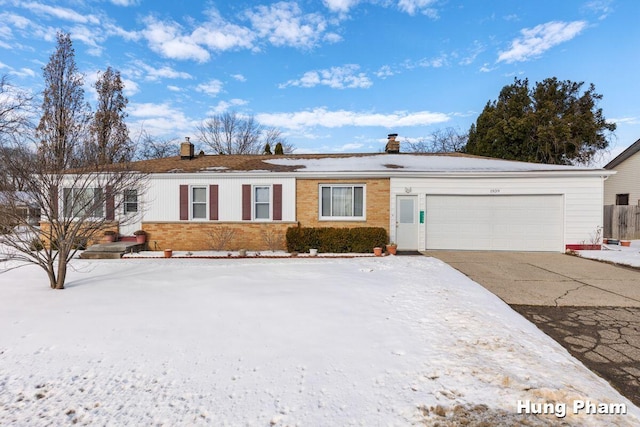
pixel 113 250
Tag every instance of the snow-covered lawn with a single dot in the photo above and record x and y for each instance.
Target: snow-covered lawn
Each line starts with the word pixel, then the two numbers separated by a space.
pixel 626 255
pixel 298 341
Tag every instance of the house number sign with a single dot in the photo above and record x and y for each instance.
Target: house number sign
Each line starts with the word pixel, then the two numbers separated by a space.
pixel 494 191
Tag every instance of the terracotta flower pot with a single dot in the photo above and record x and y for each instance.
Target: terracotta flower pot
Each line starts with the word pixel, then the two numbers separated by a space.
pixel 392 249
pixel 168 253
pixel 625 242
pixel 377 251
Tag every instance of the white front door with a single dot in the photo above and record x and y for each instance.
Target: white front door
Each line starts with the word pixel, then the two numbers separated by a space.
pixel 407 222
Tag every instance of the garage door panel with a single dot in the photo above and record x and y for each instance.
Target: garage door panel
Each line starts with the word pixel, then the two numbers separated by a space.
pixel 518 223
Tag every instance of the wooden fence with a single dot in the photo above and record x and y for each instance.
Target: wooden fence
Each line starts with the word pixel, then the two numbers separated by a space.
pixel 621 222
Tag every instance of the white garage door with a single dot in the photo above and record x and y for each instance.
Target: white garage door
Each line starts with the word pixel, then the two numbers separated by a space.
pixel 509 223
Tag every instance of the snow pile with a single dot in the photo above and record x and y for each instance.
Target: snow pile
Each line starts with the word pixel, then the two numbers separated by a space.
pixel 291 341
pixel 625 255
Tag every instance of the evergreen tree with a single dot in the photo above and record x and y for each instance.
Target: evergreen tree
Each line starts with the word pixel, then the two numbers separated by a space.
pixel 279 149
pixel 267 149
pixel 551 123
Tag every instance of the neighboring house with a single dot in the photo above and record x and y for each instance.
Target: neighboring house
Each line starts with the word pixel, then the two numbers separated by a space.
pixel 23 204
pixel 623 188
pixel 424 201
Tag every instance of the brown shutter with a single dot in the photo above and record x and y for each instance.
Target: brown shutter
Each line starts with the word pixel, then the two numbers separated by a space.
pixel 110 203
pixel 184 202
pixel 277 202
pixel 246 202
pixel 54 197
pixel 213 202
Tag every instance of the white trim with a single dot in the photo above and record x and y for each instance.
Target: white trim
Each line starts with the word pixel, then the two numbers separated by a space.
pixel 254 202
pixel 362 218
pixel 206 203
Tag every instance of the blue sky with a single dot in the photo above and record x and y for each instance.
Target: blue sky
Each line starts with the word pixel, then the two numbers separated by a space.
pixel 332 75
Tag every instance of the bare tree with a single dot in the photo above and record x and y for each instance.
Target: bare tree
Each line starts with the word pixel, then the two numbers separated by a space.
pixel 15 123
pixel 65 115
pixel 150 147
pixel 232 133
pixel 76 207
pixel 447 140
pixel 110 142
pixel 15 111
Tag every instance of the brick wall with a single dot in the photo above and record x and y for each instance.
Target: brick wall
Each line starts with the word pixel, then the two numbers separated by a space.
pixel 94 236
pixel 231 236
pixel 203 236
pixel 377 203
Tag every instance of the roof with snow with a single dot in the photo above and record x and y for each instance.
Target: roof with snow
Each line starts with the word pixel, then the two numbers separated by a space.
pixel 379 163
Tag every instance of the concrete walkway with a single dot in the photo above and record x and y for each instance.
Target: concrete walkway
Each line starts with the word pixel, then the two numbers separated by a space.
pixel 591 308
pixel 548 279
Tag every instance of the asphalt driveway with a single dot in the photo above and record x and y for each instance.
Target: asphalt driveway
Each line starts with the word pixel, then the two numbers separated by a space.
pixel 591 308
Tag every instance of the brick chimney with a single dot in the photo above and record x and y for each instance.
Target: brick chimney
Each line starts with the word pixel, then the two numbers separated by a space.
pixel 393 146
pixel 186 149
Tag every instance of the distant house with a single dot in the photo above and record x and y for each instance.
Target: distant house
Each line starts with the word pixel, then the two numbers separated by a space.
pixel 623 188
pixel 424 201
pixel 23 205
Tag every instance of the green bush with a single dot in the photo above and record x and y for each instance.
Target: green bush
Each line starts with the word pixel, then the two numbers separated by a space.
pixel 335 240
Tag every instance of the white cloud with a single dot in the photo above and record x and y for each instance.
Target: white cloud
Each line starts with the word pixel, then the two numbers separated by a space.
pixel 539 39
pixel 600 7
pixel 167 39
pixel 239 77
pixel 473 53
pixel 341 6
pixel 125 3
pixel 223 106
pixel 340 118
pixel 384 72
pixel 221 36
pixel 88 36
pixel 61 13
pixel 173 88
pixel 159 119
pixel 420 6
pixel 212 87
pixel 346 77
pixel 625 120
pixel 165 72
pixel 284 24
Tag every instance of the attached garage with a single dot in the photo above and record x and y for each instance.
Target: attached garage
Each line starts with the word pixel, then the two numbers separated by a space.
pixel 486 204
pixel 491 222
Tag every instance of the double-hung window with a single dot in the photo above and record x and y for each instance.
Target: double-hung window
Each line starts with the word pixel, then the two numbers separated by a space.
pixel 130 201
pixel 83 202
pixel 262 202
pixel 342 202
pixel 199 202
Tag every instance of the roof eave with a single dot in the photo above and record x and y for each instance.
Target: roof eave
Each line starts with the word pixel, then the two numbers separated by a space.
pixel 630 151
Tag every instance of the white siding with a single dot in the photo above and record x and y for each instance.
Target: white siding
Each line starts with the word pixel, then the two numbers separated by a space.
pixel 626 180
pixel 583 198
pixel 161 201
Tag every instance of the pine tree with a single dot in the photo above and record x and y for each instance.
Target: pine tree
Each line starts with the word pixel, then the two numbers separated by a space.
pixel 279 149
pixel 554 123
pixel 267 149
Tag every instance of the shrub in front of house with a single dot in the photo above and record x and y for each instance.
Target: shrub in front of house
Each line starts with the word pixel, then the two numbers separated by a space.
pixel 335 240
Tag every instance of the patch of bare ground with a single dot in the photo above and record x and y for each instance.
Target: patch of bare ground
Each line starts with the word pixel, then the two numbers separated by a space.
pixel 481 416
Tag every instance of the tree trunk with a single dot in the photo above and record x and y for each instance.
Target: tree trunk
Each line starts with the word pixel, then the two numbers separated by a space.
pixel 62 271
